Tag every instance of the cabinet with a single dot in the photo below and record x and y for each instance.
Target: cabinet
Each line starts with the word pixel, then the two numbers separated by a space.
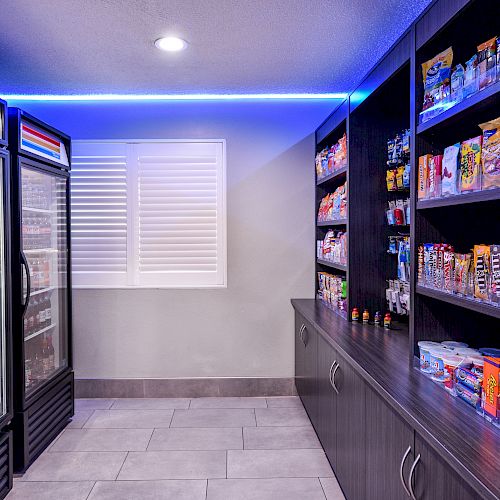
pixel 434 479
pixel 306 356
pixel 351 436
pixel 389 450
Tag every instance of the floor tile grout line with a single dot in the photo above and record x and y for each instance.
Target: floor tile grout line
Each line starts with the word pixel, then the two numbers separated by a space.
pixel 242 438
pixel 91 490
pixel 206 491
pixel 121 467
pixel 322 489
pixel 171 419
pixel 226 462
pixel 150 437
pixel 87 419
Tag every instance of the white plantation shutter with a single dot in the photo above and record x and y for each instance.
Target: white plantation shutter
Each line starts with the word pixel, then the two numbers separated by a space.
pixel 99 214
pixel 171 230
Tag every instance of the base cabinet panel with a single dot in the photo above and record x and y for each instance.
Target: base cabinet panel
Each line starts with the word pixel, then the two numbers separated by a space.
pixel 434 479
pixel 389 450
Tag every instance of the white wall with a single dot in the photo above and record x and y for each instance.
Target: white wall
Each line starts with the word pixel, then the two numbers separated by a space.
pixel 246 329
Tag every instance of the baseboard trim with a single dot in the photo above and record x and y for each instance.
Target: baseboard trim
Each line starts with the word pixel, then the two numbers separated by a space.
pixel 184 387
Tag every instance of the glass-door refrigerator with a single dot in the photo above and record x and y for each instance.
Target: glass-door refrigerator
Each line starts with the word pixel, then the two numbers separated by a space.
pixel 41 304
pixel 5 312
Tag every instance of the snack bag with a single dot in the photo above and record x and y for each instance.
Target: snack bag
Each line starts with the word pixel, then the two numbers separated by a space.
pixel 495 273
pixel 462 264
pixel 406 176
pixel 471 82
pixel 481 271
pixel 436 75
pixel 399 177
pixel 457 83
pixel 498 57
pixel 486 55
pixel 434 181
pixel 490 155
pixel 342 151
pixel 391 180
pixel 423 169
pixel 470 165
pixel 449 176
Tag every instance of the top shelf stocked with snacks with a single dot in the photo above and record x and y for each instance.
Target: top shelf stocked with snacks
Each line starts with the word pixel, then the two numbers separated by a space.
pixel 331 162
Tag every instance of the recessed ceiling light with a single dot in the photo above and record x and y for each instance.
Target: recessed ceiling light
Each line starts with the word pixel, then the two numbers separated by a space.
pixel 171 44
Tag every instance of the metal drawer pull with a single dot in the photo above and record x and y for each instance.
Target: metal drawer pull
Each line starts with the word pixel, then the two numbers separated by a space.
pixel 333 379
pixel 401 476
pixel 330 376
pixel 410 477
pixel 303 338
pixel 301 331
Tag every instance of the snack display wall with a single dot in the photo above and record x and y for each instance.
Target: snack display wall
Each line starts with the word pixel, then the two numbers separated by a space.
pixel 332 291
pixel 333 247
pixel 331 159
pixel 334 206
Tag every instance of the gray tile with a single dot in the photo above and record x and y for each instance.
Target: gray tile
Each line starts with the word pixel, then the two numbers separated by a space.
pixel 93 404
pixel 265 489
pixel 79 418
pixel 50 491
pixel 285 417
pixel 228 403
pixel 103 440
pixel 197 439
pixel 151 404
pixel 331 488
pixel 180 388
pixel 277 463
pixel 109 388
pixel 152 465
pixel 76 466
pixel 256 386
pixel 150 490
pixel 279 438
pixel 284 402
pixel 214 418
pixel 129 419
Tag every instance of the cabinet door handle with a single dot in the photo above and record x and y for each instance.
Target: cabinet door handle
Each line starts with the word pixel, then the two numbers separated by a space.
pixel 401 472
pixel 303 338
pixel 301 330
pixel 410 477
pixel 334 385
pixel 330 375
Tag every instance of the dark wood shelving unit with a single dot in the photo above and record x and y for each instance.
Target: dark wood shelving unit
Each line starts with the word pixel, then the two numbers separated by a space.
pixel 340 173
pixel 328 223
pixel 460 199
pixel 333 265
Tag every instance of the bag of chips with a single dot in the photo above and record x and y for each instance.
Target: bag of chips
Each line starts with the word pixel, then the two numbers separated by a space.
pixel 470 165
pixel 436 75
pixel 486 55
pixel 471 81
pixel 490 154
pixel 449 179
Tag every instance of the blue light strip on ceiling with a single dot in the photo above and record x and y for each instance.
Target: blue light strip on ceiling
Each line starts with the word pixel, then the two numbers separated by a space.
pixel 170 97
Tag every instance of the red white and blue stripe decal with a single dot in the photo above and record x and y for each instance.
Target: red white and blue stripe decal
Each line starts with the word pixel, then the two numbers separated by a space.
pixel 43 144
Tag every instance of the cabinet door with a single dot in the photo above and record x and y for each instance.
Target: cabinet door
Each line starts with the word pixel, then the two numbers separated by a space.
pixel 310 397
pixel 327 409
pixel 434 479
pixel 389 439
pixel 299 355
pixel 350 438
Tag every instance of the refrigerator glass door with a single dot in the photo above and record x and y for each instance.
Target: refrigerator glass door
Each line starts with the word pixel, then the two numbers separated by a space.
pixel 3 361
pixel 45 251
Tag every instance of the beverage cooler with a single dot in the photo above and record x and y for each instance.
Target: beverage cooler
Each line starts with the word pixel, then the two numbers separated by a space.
pixel 41 303
pixel 5 313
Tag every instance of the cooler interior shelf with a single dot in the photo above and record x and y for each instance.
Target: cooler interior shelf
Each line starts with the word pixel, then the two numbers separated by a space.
pixel 466 303
pixel 39 332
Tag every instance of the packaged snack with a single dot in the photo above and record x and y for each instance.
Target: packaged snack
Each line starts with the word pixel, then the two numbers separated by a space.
pixel 498 57
pixel 469 396
pixel 462 264
pixel 490 154
pixel 436 75
pixel 434 180
pixel 457 83
pixel 470 164
pixel 481 271
pixel 406 176
pixel 466 377
pixel 495 274
pixel 471 82
pixel 486 56
pixel 448 270
pixel 399 177
pixel 423 169
pixel 420 264
pixel 405 142
pixel 391 180
pixel 491 384
pixel 449 177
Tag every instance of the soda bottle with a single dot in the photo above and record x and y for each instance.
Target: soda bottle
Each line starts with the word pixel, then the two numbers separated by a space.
pixel 51 354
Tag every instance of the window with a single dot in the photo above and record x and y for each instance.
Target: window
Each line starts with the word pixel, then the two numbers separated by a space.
pixel 148 214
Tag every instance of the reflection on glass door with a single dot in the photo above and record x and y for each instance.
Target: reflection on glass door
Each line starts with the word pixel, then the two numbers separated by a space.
pixel 44 246
pixel 3 361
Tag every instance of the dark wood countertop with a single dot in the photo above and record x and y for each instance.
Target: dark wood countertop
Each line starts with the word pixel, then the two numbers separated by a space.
pixel 469 443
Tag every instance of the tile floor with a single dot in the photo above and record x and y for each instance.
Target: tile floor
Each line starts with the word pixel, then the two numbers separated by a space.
pixel 183 449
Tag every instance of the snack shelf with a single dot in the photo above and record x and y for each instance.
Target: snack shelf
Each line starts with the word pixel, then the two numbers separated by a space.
pixel 487 98
pixel 327 223
pixel 340 173
pixel 40 250
pixel 39 332
pixel 466 303
pixel 460 199
pixel 333 265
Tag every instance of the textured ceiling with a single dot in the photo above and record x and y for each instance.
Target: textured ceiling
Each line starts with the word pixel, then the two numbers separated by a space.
pixel 235 46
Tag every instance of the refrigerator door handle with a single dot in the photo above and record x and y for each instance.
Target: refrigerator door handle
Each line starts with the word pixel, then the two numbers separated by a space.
pixel 24 263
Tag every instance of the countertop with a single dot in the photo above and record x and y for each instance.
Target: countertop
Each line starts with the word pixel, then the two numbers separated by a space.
pixel 469 443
